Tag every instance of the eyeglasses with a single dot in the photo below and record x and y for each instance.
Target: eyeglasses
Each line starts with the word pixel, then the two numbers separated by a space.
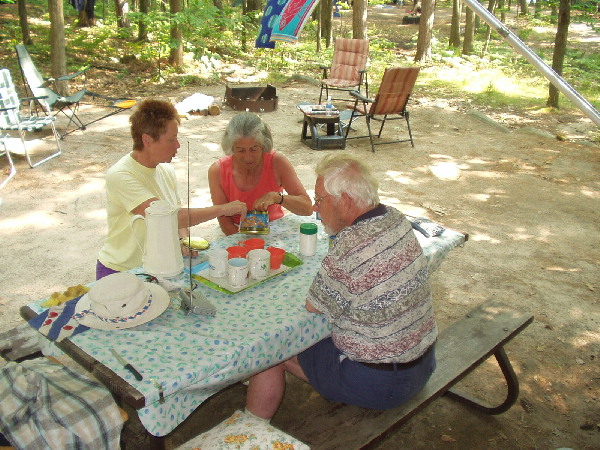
pixel 318 200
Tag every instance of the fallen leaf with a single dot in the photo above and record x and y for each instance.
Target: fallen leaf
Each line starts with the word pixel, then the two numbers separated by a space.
pixel 590 286
pixel 447 438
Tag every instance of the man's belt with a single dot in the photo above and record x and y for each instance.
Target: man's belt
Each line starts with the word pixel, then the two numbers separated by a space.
pixel 398 366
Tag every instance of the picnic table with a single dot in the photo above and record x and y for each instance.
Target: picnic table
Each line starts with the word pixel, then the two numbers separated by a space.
pixel 185 359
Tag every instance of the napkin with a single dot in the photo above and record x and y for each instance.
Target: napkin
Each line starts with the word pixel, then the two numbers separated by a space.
pixel 57 322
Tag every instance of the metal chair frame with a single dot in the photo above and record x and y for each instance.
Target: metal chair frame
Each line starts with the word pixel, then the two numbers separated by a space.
pixel 389 104
pixel 12 171
pixel 11 118
pixel 49 100
pixel 348 68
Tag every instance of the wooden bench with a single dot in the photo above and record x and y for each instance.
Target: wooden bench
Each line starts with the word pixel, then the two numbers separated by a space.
pixel 19 343
pixel 460 349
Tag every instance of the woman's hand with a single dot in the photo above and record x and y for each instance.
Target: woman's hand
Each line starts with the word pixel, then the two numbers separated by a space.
pixel 233 208
pixel 266 200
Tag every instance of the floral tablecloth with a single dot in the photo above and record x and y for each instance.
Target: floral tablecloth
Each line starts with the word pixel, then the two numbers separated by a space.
pixel 194 357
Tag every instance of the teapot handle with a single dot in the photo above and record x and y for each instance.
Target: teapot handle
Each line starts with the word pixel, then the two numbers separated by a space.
pixel 133 219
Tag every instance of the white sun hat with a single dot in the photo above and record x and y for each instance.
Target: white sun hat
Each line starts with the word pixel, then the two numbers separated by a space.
pixel 121 300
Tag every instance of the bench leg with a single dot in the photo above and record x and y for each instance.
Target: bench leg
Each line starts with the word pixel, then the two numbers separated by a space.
pixel 511 382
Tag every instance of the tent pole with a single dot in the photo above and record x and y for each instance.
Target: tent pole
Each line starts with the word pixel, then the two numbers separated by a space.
pixel 536 61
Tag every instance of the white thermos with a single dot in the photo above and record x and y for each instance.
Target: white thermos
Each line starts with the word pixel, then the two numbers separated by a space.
pixel 308 239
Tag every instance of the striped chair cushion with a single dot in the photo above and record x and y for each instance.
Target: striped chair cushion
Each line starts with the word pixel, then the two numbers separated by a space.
pixel 30 123
pixel 396 86
pixel 349 56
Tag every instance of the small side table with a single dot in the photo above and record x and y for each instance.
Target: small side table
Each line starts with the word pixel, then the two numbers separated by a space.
pixel 334 137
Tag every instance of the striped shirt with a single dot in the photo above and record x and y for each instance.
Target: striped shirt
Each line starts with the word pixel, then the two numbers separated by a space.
pixel 373 287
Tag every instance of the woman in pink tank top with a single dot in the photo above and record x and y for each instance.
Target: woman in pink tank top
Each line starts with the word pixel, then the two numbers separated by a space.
pixel 255 174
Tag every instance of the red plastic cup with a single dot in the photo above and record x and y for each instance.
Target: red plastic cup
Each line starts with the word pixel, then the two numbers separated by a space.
pixel 277 255
pixel 237 251
pixel 253 243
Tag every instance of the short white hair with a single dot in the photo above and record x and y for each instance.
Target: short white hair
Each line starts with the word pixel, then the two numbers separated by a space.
pixel 343 173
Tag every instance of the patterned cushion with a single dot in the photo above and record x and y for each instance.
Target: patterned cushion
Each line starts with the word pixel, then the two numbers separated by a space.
pixel 244 431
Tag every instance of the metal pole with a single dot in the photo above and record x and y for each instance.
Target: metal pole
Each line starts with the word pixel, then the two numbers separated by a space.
pixel 537 62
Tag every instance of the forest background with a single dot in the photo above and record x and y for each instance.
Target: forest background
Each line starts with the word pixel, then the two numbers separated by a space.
pixel 200 41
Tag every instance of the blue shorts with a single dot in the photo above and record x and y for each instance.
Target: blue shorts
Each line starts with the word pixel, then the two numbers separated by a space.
pixel 350 382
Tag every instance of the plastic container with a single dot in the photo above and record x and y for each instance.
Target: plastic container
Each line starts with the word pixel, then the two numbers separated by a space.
pixel 308 239
pixel 256 222
pixel 328 107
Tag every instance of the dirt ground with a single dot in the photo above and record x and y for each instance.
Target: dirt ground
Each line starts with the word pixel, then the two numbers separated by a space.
pixel 530 203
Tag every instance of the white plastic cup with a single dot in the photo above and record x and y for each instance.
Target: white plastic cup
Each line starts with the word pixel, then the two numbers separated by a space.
pixel 259 261
pixel 217 262
pixel 237 270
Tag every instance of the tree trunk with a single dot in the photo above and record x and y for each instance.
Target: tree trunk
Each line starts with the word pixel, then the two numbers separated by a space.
pixel 502 11
pixel 254 5
pixel 469 32
pixel 560 47
pixel 488 29
pixel 524 7
pixel 538 8
pixel 176 54
pixel 58 61
pixel 317 11
pixel 359 19
pixel 425 31
pixel 121 10
pixel 454 40
pixel 243 37
pixel 22 6
pixel 218 4
pixel 326 22
pixel 142 27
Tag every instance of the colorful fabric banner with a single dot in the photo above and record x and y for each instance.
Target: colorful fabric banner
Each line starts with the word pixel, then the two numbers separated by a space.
pixel 292 20
pixel 283 20
pixel 270 17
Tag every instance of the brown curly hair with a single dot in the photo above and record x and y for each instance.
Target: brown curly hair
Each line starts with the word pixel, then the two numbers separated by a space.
pixel 151 117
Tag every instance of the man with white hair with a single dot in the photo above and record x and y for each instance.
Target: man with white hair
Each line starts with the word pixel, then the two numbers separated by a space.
pixel 373 288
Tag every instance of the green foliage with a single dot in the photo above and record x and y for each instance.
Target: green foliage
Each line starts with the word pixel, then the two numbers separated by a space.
pixel 212 37
pixel 524 33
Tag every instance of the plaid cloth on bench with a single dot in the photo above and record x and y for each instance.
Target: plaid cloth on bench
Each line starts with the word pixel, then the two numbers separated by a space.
pixel 48 406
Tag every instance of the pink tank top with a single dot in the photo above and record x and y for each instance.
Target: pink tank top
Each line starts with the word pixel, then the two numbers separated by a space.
pixel 266 184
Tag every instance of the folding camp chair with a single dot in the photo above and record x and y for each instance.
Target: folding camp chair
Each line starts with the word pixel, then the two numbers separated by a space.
pixel 11 167
pixel 348 68
pixel 389 103
pixel 48 99
pixel 11 118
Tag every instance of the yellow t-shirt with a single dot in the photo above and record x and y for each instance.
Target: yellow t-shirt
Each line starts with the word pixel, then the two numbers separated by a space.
pixel 128 185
